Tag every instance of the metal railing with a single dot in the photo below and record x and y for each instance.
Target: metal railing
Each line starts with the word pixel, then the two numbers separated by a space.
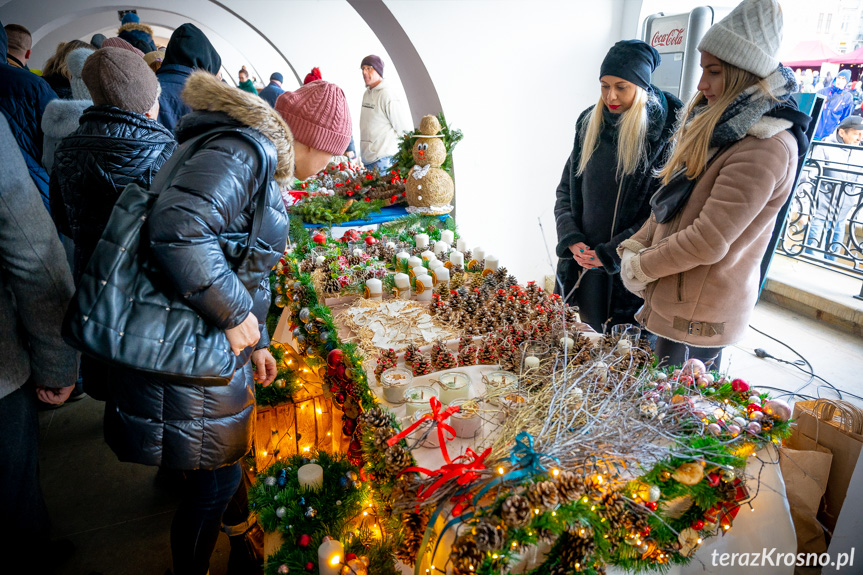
pixel 825 221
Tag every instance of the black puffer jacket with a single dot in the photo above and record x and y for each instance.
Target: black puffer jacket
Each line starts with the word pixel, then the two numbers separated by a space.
pixel 92 165
pixel 198 226
pixel 573 215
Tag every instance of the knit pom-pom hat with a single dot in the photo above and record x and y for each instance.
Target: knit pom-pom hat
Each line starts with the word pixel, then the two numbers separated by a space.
pixel 318 116
pixel 748 38
pixel 75 64
pixel 315 74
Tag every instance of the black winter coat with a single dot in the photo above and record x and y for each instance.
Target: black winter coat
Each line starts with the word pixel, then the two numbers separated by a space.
pixel 633 207
pixel 199 225
pixel 110 149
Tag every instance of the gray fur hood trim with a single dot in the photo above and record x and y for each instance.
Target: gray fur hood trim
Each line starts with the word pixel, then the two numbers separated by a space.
pixel 61 117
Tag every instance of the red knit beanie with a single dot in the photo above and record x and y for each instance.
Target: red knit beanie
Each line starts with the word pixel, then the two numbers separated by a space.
pixel 318 116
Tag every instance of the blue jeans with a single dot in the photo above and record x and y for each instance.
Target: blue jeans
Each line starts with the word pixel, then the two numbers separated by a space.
pixel 196 524
pixel 382 164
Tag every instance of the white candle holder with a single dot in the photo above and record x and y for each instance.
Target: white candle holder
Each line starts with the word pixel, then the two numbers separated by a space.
pixel 418 397
pixel 466 422
pixel 453 385
pixel 426 428
pixel 395 381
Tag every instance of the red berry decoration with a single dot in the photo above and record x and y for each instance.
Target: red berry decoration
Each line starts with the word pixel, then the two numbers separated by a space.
pixel 713 479
pixel 305 540
pixel 319 238
pixel 651 505
pixel 698 524
pixel 646 531
pixel 310 566
pixel 739 385
pixel 685 380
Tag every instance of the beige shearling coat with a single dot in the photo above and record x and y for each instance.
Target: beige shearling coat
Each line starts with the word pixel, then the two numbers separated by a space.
pixel 706 260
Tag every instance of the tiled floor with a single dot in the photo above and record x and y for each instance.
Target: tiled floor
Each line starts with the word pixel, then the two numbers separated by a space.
pixel 120 521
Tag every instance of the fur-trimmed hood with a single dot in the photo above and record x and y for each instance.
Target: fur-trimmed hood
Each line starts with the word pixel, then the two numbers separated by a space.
pixel 61 117
pixel 129 27
pixel 203 91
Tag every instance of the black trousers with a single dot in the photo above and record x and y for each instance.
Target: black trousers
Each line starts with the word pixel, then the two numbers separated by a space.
pixel 675 353
pixel 594 299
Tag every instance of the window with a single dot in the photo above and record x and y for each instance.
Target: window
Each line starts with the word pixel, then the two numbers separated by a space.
pixel 820 22
pixel 827 25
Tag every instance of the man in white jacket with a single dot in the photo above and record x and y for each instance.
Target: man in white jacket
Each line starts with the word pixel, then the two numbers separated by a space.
pixel 841 172
pixel 383 119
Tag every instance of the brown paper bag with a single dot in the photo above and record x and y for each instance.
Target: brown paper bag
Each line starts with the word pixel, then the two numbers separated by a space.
pixel 805 474
pixel 838 427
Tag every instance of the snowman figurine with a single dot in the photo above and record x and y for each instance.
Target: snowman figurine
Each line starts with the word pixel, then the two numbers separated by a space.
pixel 429 188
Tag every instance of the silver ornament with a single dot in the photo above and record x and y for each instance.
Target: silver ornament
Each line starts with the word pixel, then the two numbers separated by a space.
pixel 270 481
pixel 281 512
pixel 305 313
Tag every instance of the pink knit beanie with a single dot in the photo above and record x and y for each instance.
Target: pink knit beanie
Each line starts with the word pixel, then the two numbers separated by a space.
pixel 318 116
pixel 116 42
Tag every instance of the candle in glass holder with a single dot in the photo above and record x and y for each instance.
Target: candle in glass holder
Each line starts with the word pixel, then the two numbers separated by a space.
pixel 418 397
pixel 424 287
pixel 466 421
pixel 461 245
pixel 491 263
pixel 391 245
pixel 374 288
pixel 331 554
pixel 311 476
pixel 428 255
pixel 422 241
pixel 320 260
pixel 403 285
pixel 478 254
pixel 498 381
pixel 531 362
pixel 447 236
pixel 454 385
pixel 440 248
pixel 395 381
pixel 457 258
pixel 357 252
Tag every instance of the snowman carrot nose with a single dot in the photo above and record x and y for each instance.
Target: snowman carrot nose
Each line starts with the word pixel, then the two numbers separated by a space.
pixel 421 152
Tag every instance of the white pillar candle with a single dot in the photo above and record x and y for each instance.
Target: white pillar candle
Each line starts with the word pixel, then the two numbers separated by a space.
pixel 358 252
pixel 457 258
pixel 375 288
pixel 419 271
pixel 478 254
pixel 402 255
pixel 461 245
pixel 428 255
pixel 414 261
pixel 601 370
pixel 531 362
pixel 441 274
pixel 447 236
pixel 491 263
pixel 331 555
pixel 435 264
pixel 440 248
pixel 320 260
pixel 567 343
pixel 391 245
pixel 422 241
pixel 424 293
pixel 623 346
pixel 403 285
pixel 311 476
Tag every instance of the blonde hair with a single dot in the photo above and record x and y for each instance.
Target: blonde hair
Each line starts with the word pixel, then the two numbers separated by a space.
pixel 56 64
pixel 691 142
pixel 631 142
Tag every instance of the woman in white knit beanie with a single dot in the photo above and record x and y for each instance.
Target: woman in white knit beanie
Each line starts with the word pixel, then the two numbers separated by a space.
pixel 696 262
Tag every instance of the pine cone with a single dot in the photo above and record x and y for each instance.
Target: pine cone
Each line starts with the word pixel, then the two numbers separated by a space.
pixel 476 281
pixel 500 274
pixel 354 260
pixel 570 486
pixel 445 360
pixel 375 417
pixel 543 495
pixel 411 353
pixel 613 508
pixel 421 366
pixel 307 266
pixel 488 536
pixel 413 529
pixel 381 435
pixel 511 280
pixel 332 285
pixel 468 255
pixel 516 511
pixel 576 547
pixel 396 459
pixel 456 279
pixel 466 556
pixel 467 356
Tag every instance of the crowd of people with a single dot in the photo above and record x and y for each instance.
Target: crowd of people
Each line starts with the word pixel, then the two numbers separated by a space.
pixel 660 222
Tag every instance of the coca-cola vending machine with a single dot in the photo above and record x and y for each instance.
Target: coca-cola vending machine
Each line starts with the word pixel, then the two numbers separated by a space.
pixel 676 38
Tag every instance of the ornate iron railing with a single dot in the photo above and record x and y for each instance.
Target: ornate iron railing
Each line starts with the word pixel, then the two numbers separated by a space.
pixel 825 221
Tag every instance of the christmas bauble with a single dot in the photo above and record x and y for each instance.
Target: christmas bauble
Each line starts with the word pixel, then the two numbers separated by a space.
pixel 282 478
pixel 310 566
pixel 319 238
pixel 279 383
pixel 302 501
pixel 279 301
pixel 349 426
pixel 305 314
pixel 269 481
pixel 281 512
pixel 283 570
pixel 304 540
pixel 310 512
pixel 778 409
pixel 335 357
pixel 351 475
pixel 343 482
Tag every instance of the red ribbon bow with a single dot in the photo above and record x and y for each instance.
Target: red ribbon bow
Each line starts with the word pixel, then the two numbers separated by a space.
pixel 438 416
pixel 298 195
pixel 463 473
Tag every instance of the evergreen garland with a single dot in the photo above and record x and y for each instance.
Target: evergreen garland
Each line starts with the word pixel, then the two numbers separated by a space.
pixel 331 210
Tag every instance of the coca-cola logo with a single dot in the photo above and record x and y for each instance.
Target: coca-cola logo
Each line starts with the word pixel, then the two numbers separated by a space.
pixel 673 38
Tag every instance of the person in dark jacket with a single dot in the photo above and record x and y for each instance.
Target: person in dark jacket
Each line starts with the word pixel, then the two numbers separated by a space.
pixel 23 98
pixel 35 288
pixel 61 116
pixel 138 35
pixel 188 50
pixel 55 71
pixel 603 195
pixel 118 142
pixel 194 228
pixel 273 90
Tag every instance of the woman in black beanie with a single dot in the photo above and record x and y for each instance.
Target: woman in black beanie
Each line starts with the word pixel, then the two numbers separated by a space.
pixel 603 195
